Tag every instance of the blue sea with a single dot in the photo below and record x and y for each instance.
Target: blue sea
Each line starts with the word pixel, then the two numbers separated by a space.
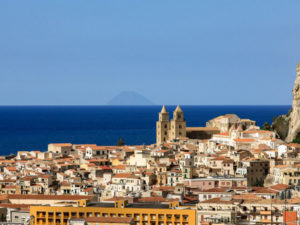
pixel 33 127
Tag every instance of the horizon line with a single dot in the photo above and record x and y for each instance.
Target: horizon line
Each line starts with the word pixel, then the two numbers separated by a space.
pixel 153 105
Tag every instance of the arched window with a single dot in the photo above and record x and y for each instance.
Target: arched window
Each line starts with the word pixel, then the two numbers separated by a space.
pixel 166 126
pixel 180 126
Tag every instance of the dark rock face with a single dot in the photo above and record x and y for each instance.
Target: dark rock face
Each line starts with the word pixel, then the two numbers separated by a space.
pixel 281 126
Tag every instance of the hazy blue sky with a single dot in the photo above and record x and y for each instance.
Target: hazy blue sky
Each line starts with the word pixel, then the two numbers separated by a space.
pixel 172 52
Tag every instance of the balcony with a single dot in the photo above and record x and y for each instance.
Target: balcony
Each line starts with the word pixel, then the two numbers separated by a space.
pixel 265 212
pixel 265 221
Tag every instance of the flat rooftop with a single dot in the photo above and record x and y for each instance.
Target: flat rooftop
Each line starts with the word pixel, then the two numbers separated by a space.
pixel 142 205
pixel 206 129
pixel 217 178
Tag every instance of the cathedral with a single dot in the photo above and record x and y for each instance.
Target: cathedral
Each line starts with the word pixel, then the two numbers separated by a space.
pixel 170 129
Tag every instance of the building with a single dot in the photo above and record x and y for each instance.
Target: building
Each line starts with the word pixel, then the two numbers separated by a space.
pixel 141 213
pixel 102 221
pixel 257 171
pixel 48 199
pixel 247 210
pixel 224 123
pixel 168 130
pixel 201 132
pixel 60 148
pixel 215 182
pixel 109 221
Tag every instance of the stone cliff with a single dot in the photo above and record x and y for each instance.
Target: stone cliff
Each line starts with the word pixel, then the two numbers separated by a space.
pixel 294 115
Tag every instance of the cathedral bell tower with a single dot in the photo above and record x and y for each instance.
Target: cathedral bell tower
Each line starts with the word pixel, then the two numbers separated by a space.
pixel 178 124
pixel 162 127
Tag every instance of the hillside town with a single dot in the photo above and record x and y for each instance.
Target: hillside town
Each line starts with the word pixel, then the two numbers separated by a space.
pixel 229 172
pixel 240 174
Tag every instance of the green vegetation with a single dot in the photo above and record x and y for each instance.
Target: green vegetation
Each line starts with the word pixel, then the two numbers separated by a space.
pixel 289 113
pixel 297 139
pixel 121 142
pixel 258 183
pixel 266 126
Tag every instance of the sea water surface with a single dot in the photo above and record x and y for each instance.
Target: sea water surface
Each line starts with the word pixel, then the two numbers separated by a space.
pixel 33 127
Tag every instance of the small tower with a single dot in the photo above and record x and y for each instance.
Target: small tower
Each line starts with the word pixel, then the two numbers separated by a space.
pixel 162 127
pixel 178 124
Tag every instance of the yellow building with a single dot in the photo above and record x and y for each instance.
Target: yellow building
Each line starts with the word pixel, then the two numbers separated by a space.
pixel 142 213
pixel 109 221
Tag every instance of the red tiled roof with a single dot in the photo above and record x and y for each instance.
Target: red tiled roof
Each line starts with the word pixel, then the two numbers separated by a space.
pixel 125 175
pixel 244 140
pixel 50 197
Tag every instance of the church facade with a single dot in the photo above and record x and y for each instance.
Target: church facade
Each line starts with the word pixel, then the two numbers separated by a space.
pixel 167 129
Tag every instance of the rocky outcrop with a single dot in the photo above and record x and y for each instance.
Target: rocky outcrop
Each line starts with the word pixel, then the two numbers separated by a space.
pixel 294 115
pixel 281 126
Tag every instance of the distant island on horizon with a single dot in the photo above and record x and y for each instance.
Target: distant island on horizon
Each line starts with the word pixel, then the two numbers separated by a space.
pixel 127 98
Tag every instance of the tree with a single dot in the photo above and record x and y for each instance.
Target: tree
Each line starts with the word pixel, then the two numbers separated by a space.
pixel 258 183
pixel 297 139
pixel 120 142
pixel 266 126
